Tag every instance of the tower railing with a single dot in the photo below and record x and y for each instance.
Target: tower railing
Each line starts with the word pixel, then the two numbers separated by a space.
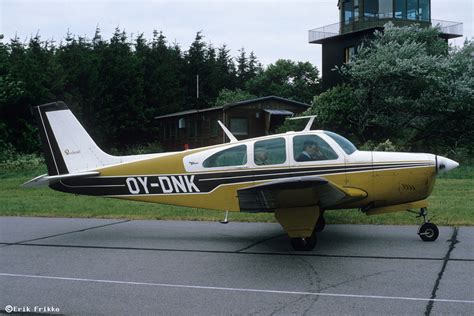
pixel 449 28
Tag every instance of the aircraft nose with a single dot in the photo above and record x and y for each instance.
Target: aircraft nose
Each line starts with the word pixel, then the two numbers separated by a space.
pixel 445 164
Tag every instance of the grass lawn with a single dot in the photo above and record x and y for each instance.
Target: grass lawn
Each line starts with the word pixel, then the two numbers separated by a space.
pixel 452 203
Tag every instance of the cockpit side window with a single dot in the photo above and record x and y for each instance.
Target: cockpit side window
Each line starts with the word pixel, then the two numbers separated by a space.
pixel 270 151
pixel 312 148
pixel 345 144
pixel 235 156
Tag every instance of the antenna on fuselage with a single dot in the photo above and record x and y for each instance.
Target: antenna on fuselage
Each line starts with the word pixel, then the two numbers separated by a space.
pixel 227 132
pixel 310 122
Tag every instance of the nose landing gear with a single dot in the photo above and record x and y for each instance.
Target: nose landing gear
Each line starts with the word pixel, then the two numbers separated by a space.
pixel 427 231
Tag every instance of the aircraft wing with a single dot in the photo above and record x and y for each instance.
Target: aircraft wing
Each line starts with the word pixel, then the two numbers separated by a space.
pixel 47 180
pixel 295 192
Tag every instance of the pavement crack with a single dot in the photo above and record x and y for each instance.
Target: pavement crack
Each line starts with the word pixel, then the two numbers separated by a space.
pixel 314 281
pixel 259 242
pixel 363 277
pixel 454 240
pixel 67 233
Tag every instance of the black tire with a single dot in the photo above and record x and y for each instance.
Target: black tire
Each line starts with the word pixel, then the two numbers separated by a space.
pixel 320 224
pixel 428 232
pixel 304 244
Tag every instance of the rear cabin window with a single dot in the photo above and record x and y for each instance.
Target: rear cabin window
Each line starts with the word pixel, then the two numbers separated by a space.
pixel 312 148
pixel 235 156
pixel 270 152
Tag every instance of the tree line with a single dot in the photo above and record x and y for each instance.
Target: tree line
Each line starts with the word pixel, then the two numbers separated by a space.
pixel 117 86
pixel 407 89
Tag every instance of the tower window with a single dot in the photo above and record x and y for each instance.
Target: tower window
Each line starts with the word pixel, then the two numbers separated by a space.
pixel 385 9
pixel 400 9
pixel 424 11
pixel 348 11
pixel 412 9
pixel 348 53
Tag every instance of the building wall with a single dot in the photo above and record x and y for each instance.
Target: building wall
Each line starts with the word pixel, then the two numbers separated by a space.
pixel 202 129
pixel 334 54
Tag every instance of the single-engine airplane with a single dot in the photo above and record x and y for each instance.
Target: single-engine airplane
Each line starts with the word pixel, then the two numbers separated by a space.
pixel 296 175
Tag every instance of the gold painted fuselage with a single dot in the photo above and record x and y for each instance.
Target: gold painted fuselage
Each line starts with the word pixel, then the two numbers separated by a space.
pixel 384 187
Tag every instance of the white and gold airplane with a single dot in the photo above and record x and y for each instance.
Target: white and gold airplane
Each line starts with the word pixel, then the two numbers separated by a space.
pixel 296 175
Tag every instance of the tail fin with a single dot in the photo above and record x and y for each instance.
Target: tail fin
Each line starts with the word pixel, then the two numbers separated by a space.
pixel 67 146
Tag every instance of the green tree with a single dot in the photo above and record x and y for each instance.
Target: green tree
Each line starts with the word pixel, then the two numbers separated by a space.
pixel 195 59
pixel 227 96
pixel 298 81
pixel 116 86
pixel 41 79
pixel 163 71
pixel 407 86
pixel 225 68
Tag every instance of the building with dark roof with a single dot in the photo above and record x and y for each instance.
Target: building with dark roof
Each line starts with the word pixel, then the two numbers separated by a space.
pixel 357 23
pixel 245 119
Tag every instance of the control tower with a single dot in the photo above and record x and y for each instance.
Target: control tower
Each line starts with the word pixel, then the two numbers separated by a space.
pixel 358 19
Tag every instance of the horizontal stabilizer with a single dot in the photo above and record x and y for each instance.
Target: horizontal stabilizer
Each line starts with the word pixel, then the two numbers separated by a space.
pixel 47 180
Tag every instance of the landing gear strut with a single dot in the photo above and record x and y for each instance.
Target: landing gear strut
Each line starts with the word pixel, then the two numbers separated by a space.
pixel 226 219
pixel 320 224
pixel 427 231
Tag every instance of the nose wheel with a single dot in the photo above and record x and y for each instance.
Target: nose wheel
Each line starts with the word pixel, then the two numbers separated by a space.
pixel 427 231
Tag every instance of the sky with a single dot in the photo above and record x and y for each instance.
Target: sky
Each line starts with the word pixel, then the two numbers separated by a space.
pixel 272 29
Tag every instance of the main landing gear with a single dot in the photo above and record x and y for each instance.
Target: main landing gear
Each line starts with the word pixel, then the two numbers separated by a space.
pixel 427 231
pixel 308 243
pixel 304 243
pixel 320 224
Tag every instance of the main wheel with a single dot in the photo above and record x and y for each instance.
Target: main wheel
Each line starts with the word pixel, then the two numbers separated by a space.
pixel 320 224
pixel 304 243
pixel 428 232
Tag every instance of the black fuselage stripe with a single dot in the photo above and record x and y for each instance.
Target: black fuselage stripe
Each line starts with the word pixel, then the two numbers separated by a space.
pixel 111 186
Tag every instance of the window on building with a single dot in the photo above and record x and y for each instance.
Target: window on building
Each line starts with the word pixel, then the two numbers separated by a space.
pixel 182 123
pixel 312 148
pixel 400 9
pixel 270 151
pixel 239 125
pixel 371 9
pixel 412 9
pixel 348 53
pixel 235 156
pixel 192 128
pixel 385 9
pixel 348 11
pixel 356 10
pixel 424 10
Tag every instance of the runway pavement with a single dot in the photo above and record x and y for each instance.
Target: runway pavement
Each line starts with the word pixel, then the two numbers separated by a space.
pixel 117 267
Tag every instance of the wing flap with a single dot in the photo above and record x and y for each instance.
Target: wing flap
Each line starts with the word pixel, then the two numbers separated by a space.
pixel 295 192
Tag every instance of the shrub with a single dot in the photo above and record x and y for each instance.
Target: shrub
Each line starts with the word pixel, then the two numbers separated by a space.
pixel 384 146
pixel 11 160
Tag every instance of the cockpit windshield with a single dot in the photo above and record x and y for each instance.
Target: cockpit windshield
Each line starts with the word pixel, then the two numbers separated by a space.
pixel 345 144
